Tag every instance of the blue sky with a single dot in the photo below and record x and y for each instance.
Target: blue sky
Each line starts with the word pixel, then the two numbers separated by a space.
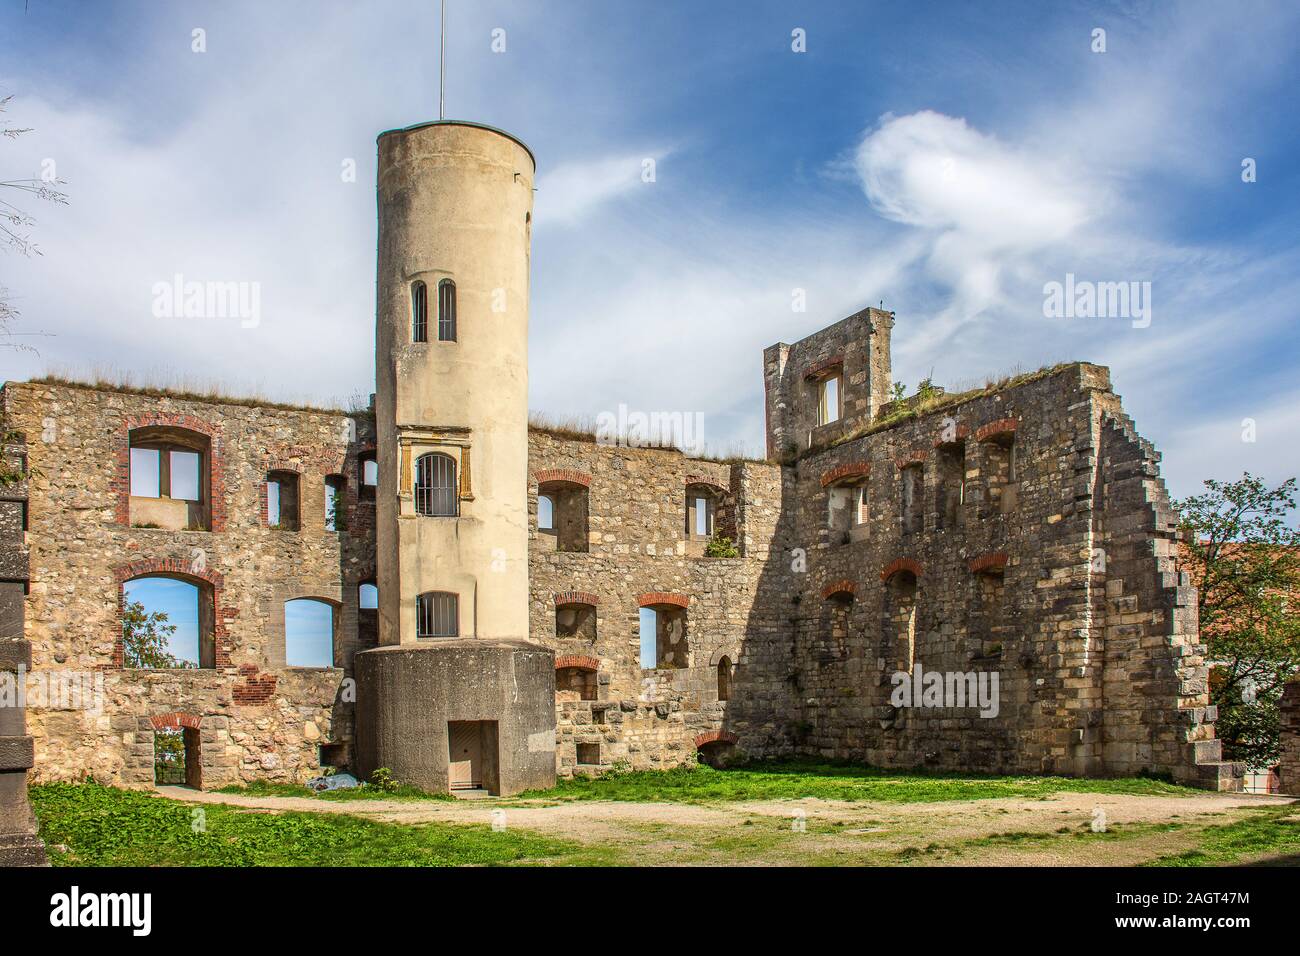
pixel 947 159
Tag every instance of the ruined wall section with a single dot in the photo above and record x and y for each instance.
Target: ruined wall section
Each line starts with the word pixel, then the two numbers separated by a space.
pixel 857 349
pixel 1004 583
pixel 1154 709
pixel 258 718
pixel 637 551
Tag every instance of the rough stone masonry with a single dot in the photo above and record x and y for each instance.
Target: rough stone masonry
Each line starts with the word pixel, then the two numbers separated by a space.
pixel 1022 529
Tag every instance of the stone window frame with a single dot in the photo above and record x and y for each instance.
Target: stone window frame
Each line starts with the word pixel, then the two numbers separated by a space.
pixel 282 468
pixel 817 375
pixel 120 483
pixel 655 600
pixel 585 599
pixel 914 568
pixel 193 572
pixel 715 494
pixel 412 444
pixel 575 486
pixel 580 662
pixel 276 651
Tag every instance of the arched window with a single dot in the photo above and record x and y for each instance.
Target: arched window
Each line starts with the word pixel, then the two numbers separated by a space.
pixel 437 614
pixel 436 492
pixel 308 633
pixel 282 500
pixel 419 312
pixel 724 679
pixel 446 311
pixel 167 622
pixel 368 596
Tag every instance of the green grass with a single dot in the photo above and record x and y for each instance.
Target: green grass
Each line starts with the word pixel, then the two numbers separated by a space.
pixel 266 788
pixel 104 826
pixel 799 780
pixel 1269 831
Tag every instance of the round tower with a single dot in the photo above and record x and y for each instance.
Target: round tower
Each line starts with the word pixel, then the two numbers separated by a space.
pixel 451 401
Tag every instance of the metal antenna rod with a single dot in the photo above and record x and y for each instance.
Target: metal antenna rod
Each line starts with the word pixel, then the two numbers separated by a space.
pixel 442 63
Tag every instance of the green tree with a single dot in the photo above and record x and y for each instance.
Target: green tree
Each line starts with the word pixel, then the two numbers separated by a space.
pixel 144 638
pixel 1242 551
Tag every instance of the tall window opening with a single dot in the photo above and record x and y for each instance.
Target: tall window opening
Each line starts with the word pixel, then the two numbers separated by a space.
pixel 437 614
pixel 1000 469
pixel 986 631
pixel 309 633
pixel 446 311
pixel 724 679
pixel 367 614
pixel 952 484
pixel 663 637
pixel 169 481
pixel 282 500
pixel 336 503
pixel 369 469
pixel 419 312
pixel 913 512
pixel 900 620
pixel 168 622
pixel 436 491
pixel 562 514
pixel 829 406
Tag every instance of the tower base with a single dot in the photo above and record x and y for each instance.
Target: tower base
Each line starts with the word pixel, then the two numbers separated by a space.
pixel 460 714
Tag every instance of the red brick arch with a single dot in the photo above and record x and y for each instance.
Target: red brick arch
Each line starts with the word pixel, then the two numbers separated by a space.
pixel 850 469
pixel 576 597
pixel 175 721
pixel 715 737
pixel 563 474
pixel 173 567
pixel 900 564
pixel 961 433
pixel 651 598
pixel 1003 426
pixel 818 369
pixel 697 480
pixel 911 458
pixel 990 559
pixel 839 587
pixel 581 661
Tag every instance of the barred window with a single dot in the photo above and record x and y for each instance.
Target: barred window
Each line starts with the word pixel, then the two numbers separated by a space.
pixel 435 485
pixel 446 311
pixel 419 313
pixel 437 614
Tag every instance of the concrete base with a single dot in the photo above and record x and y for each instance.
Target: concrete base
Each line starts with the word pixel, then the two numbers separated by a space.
pixel 408 694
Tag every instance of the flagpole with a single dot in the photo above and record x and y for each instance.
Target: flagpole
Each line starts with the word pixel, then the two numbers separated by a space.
pixel 442 63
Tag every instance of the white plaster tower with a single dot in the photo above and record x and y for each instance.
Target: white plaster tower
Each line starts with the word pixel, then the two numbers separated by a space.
pixel 451 401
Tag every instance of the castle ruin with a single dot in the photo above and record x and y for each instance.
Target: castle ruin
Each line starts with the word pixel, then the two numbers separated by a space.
pixel 486 584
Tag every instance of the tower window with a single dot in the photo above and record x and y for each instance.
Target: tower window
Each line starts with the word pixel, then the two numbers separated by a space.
pixel 828 400
pixel 419 312
pixel 446 311
pixel 369 476
pixel 435 485
pixel 437 614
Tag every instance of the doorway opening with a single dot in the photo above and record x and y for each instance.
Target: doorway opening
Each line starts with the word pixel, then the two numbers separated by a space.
pixel 177 758
pixel 472 756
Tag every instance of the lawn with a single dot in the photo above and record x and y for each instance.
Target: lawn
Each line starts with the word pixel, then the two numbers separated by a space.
pixel 104 826
pixel 800 780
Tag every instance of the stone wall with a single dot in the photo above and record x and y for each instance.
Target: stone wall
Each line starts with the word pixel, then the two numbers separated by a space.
pixel 638 553
pixel 1042 556
pixel 1288 766
pixel 258 719
pixel 19 844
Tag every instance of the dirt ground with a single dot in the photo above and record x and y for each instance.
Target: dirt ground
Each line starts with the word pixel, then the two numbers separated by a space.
pixel 1052 831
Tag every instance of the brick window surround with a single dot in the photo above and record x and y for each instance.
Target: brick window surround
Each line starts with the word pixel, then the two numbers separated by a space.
pixel 170 567
pixel 121 481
